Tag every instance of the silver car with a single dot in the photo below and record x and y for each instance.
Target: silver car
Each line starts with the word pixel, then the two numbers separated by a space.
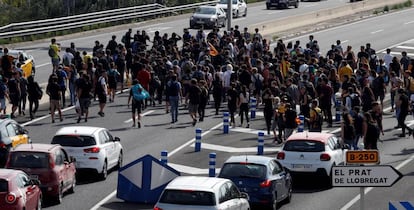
pixel 208 17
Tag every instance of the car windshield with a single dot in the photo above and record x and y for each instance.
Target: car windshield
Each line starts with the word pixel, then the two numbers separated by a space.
pixel 4 185
pixel 29 160
pixel 225 2
pixel 206 10
pixel 74 141
pixel 243 170
pixel 304 146
pixel 188 197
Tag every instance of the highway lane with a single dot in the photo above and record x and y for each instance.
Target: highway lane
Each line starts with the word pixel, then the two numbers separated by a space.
pixel 85 41
pixel 152 140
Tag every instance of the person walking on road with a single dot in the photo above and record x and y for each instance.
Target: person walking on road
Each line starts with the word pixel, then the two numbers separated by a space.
pixel 243 104
pixel 54 92
pixel 101 92
pixel 204 96
pixel 136 104
pixel 193 97
pixel 217 92
pixel 34 95
pixel 14 92
pixel 290 120
pixel 233 98
pixel 403 107
pixel 175 94
pixel 84 87
pixel 54 50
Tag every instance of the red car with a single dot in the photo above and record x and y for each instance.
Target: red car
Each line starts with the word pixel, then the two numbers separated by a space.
pixel 18 191
pixel 48 163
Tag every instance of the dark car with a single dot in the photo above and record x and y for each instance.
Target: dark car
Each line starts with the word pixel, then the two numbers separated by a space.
pixel 281 3
pixel 48 163
pixel 208 17
pixel 262 178
pixel 18 191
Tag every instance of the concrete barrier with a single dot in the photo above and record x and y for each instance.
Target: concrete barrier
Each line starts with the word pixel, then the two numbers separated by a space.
pixel 274 26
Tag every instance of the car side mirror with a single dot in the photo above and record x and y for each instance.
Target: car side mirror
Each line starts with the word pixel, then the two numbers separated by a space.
pixel 117 139
pixel 244 195
pixel 34 182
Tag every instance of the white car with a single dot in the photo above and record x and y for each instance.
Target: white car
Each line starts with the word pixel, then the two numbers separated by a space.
pixel 93 148
pixel 238 7
pixel 312 152
pixel 192 192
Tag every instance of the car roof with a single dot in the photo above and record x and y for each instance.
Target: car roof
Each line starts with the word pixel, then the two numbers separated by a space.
pixel 6 120
pixel 255 159
pixel 197 183
pixel 314 136
pixel 8 173
pixel 35 147
pixel 207 6
pixel 80 130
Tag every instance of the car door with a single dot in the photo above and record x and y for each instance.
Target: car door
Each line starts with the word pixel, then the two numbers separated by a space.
pixel 29 191
pixel 277 178
pixel 283 179
pixel 107 146
pixel 70 167
pixel 114 150
pixel 338 153
pixel 242 6
pixel 60 167
pixel 235 196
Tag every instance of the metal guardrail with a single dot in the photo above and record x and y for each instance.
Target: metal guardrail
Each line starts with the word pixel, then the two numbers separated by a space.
pixel 78 21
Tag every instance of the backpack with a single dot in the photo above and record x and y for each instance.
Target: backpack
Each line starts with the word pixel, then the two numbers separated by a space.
pixel 411 84
pixel 66 61
pixel 139 93
pixel 60 76
pixel 258 83
pixel 319 119
pixel 355 100
pixel 51 52
pixel 173 88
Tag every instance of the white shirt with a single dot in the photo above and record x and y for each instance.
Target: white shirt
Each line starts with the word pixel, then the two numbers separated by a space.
pixel 226 78
pixel 387 60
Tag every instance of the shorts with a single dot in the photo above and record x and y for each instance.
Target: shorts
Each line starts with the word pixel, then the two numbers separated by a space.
pixel 84 104
pixel 14 99
pixel 55 61
pixel 54 104
pixel 102 98
pixel 136 106
pixel 193 108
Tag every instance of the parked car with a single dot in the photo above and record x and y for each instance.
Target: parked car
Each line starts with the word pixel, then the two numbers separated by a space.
pixel 238 7
pixel 26 60
pixel 93 148
pixel 281 3
pixel 192 192
pixel 312 153
pixel 12 134
pixel 18 191
pixel 208 17
pixel 263 178
pixel 48 163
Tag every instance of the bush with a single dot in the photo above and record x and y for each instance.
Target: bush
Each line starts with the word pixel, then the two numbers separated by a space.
pixel 408 3
pixel 386 8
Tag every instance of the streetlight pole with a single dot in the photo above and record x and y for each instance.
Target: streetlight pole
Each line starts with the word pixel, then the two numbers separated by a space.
pixel 229 14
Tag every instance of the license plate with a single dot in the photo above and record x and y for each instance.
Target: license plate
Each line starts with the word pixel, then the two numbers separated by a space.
pixel 301 166
pixel 34 176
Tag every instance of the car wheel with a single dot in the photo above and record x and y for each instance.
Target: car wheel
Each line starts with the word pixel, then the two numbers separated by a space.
pixel 297 4
pixel 39 203
pixel 245 13
pixel 119 165
pixel 104 172
pixel 267 6
pixel 59 196
pixel 72 188
pixel 274 202
pixel 289 195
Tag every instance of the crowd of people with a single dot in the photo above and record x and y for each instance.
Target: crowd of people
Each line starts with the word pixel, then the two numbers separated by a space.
pixel 231 66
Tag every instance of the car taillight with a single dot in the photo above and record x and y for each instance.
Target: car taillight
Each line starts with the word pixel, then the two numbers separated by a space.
pixel 325 157
pixel 92 150
pixel 2 145
pixel 10 198
pixel 157 208
pixel 265 184
pixel 280 155
pixel 51 162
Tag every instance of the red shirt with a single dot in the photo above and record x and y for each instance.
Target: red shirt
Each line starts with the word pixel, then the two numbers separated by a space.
pixel 144 78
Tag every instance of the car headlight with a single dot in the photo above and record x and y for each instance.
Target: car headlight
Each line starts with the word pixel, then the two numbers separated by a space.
pixel 212 19
pixel 192 18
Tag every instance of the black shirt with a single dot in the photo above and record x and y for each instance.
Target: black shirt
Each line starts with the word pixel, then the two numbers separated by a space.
pixel 194 94
pixel 54 91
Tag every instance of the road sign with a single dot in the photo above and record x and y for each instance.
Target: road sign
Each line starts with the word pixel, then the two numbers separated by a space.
pixel 400 205
pixel 365 176
pixel 144 179
pixel 362 156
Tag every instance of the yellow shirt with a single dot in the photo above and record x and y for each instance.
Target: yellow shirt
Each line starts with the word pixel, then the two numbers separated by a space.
pixel 56 48
pixel 86 58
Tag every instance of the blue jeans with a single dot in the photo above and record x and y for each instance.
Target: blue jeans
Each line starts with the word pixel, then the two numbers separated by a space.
pixel 174 108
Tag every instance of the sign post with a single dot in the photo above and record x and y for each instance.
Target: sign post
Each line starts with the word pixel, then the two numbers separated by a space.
pixel 364 176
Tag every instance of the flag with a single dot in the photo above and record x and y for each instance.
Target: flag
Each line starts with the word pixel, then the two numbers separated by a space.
pixel 213 50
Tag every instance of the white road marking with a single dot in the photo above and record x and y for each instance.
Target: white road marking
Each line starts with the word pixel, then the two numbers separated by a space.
pixel 275 12
pixel 405 47
pixel 345 41
pixel 103 201
pixel 406 23
pixel 44 64
pixel 367 190
pixel 190 170
pixel 310 5
pixel 398 53
pixel 146 113
pixel 374 32
pixel 220 148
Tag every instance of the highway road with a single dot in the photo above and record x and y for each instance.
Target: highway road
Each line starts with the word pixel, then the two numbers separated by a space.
pixel 85 41
pixel 156 135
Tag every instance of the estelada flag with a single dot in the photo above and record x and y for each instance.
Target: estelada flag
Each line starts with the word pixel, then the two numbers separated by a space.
pixel 213 50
